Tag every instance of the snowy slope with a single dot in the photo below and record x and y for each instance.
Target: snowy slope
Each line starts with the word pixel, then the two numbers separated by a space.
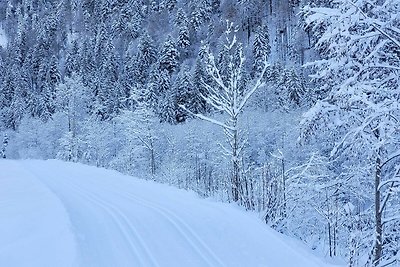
pixel 60 214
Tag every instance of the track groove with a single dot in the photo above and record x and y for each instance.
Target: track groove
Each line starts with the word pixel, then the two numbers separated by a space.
pixel 121 221
pixel 183 228
pixel 127 230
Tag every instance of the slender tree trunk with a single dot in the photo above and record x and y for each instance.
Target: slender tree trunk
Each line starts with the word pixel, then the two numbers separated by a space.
pixel 5 143
pixel 152 159
pixel 335 226
pixel 353 245
pixel 235 161
pixel 330 239
pixel 377 253
pixel 283 187
pixel 329 224
pixel 71 130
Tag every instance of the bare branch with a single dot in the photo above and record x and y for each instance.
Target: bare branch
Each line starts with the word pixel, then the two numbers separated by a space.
pixel 205 118
pixel 255 87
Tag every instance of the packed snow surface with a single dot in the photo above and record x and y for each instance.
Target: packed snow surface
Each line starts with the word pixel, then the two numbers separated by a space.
pixel 62 214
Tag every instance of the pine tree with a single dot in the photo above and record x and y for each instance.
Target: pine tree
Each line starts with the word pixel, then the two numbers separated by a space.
pixel 169 56
pixel 166 98
pixel 49 88
pixel 6 95
pixel 86 60
pixel 151 94
pixel 169 4
pixel 296 87
pixel 185 94
pixel 53 74
pixel 290 89
pixel 18 83
pixel 200 77
pixel 128 23
pixel 183 41
pixel 261 48
pixel 71 61
pixel 145 57
pixel 180 18
pixel 201 13
pixel 168 107
pixel 20 42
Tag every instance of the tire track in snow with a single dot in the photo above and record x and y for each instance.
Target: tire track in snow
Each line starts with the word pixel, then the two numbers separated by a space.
pixel 183 228
pixel 199 246
pixel 127 230
pixel 188 234
pixel 121 221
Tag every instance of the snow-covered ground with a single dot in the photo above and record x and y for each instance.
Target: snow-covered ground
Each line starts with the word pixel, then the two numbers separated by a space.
pixel 54 213
pixel 3 37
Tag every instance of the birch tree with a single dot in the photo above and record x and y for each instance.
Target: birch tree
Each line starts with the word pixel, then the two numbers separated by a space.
pixel 227 94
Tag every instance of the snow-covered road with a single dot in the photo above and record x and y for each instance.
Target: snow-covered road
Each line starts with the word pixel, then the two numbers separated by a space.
pixel 54 213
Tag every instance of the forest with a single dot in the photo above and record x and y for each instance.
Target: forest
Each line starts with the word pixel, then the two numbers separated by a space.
pixel 289 108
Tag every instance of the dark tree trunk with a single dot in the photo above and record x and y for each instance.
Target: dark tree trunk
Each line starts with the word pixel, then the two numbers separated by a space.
pixel 377 253
pixel 236 163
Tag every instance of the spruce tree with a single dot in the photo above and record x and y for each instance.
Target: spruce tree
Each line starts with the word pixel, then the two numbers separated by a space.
pixel 183 41
pixel 72 61
pixel 185 93
pixel 145 57
pixel 261 48
pixel 199 91
pixel 166 98
pixel 169 56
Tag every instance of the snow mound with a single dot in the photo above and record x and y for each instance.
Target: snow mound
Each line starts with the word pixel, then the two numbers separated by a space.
pixel 62 214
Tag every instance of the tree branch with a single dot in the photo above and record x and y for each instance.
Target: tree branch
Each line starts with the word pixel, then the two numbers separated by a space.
pixel 205 118
pixel 375 26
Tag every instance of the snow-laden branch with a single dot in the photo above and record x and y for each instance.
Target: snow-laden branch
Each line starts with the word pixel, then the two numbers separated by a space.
pixel 224 93
pixel 259 83
pixel 376 26
pixel 384 66
pixel 390 219
pixel 390 158
pixel 206 118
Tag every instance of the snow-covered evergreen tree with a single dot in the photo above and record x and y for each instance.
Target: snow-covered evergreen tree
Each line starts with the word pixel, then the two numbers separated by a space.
pixel 185 93
pixel 169 56
pixel 261 48
pixel 145 57
pixel 290 89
